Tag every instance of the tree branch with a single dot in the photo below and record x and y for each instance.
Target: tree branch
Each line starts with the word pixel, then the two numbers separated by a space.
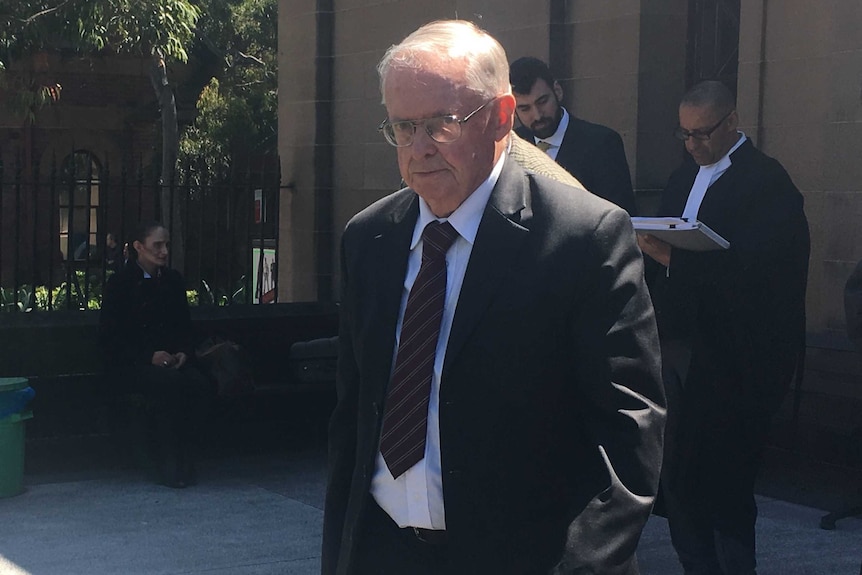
pixel 252 58
pixel 44 12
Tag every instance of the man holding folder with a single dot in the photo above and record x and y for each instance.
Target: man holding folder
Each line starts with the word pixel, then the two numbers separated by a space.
pixel 732 324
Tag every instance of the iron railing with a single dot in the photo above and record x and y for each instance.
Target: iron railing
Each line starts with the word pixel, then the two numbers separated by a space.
pixel 54 221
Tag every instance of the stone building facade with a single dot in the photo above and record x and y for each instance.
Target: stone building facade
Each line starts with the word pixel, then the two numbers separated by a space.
pixel 796 65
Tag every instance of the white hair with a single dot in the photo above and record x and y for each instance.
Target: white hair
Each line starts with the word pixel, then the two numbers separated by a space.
pixel 486 68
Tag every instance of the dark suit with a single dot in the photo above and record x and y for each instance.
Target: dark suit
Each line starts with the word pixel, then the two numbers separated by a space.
pixel 595 155
pixel 140 316
pixel 853 306
pixel 551 367
pixel 740 315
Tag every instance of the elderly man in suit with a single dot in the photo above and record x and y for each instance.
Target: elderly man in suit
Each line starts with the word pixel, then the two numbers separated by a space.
pixel 500 407
pixel 732 324
pixel 593 153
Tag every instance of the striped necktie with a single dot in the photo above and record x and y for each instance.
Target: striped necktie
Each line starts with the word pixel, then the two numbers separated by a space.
pixel 405 418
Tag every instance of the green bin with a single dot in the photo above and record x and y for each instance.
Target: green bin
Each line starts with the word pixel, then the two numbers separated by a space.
pixel 12 443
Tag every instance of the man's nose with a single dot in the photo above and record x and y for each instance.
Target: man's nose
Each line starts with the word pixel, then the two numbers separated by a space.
pixel 528 117
pixel 692 144
pixel 423 145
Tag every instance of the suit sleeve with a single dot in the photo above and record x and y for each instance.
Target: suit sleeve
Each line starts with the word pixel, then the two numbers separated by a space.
pixel 183 333
pixel 610 173
pixel 342 429
pixel 853 306
pixel 618 371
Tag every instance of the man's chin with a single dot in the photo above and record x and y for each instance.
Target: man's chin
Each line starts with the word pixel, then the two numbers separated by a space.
pixel 543 131
pixel 417 179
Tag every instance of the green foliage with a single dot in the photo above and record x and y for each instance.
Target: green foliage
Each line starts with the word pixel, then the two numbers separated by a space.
pixel 137 26
pixel 236 112
pixel 9 302
pixel 86 293
pixel 30 299
pixel 28 27
pixel 220 297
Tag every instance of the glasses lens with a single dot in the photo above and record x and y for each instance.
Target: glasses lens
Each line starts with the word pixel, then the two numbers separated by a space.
pixel 444 129
pixel 386 129
pixel 683 135
pixel 401 133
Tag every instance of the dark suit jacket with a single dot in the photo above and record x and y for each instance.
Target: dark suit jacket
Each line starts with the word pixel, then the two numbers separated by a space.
pixel 141 316
pixel 551 406
pixel 742 309
pixel 595 155
pixel 853 306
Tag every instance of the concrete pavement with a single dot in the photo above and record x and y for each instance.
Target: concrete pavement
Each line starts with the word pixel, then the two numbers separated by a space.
pixel 261 514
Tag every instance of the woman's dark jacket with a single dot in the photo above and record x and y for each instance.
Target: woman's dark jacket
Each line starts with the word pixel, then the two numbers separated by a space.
pixel 143 315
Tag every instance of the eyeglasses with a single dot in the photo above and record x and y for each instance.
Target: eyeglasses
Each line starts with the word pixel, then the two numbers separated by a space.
pixel 441 129
pixel 702 135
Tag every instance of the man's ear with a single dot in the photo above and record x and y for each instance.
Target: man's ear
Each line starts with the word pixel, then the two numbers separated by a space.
pixel 558 91
pixel 138 246
pixel 733 121
pixel 504 114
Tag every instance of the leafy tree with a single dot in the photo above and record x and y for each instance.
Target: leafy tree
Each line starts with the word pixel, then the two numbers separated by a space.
pixel 237 111
pixel 162 28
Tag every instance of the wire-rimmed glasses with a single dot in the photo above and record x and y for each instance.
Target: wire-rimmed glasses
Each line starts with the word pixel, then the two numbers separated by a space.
pixel 701 135
pixel 441 129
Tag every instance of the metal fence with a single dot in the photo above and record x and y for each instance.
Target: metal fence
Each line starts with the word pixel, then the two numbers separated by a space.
pixel 58 223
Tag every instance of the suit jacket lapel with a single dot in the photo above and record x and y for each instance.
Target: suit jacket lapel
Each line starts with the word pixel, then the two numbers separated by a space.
pixel 389 268
pixel 494 255
pixel 726 197
pixel 567 155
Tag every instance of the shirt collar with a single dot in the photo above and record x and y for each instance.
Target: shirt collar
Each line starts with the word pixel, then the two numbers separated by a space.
pixel 147 274
pixel 724 163
pixel 467 217
pixel 556 139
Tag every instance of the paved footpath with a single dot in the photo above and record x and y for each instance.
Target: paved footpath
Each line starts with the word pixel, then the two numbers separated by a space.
pixel 262 515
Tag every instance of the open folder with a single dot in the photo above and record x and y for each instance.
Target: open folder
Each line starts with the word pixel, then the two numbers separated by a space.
pixel 682 233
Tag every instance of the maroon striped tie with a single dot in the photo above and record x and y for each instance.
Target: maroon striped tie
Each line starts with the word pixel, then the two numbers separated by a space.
pixel 405 419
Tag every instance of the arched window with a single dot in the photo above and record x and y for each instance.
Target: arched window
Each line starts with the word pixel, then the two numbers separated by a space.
pixel 79 206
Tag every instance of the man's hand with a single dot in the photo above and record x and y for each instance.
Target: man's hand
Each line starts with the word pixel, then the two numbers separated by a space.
pixel 655 248
pixel 163 359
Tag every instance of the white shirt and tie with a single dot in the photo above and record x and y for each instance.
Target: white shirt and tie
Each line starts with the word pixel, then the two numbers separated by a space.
pixel 415 498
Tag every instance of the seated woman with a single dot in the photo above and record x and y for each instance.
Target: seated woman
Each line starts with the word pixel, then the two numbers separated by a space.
pixel 147 337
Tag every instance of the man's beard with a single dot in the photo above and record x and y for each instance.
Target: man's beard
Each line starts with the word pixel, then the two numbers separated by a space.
pixel 546 126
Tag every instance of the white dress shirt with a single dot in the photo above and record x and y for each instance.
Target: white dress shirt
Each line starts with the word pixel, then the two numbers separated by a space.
pixel 706 176
pixel 415 499
pixel 556 139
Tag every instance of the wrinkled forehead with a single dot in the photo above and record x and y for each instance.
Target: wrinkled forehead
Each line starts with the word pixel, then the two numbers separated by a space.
pixel 426 70
pixel 415 92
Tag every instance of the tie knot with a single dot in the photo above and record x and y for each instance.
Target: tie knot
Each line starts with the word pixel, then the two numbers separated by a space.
pixel 543 145
pixel 437 238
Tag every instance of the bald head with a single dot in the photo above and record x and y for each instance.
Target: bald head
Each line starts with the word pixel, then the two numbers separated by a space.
pixel 710 94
